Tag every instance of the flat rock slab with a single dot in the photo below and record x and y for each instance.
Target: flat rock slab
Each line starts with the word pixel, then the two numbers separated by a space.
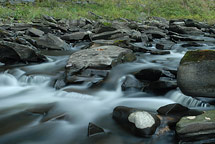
pixel 100 57
pixel 197 127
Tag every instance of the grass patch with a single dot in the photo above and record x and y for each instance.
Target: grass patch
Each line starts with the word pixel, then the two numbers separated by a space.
pixel 138 10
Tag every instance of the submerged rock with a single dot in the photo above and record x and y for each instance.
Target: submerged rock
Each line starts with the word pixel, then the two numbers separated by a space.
pixel 136 121
pixel 196 73
pixel 13 53
pixel 94 129
pixel 199 127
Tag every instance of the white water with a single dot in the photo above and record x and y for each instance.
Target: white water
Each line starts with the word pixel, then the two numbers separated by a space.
pixel 28 86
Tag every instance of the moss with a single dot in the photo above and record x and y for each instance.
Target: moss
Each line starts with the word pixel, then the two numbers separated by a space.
pixel 199 55
pixel 200 118
pixel 108 24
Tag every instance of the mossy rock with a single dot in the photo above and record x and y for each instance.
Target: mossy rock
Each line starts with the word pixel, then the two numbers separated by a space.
pixel 197 127
pixel 198 55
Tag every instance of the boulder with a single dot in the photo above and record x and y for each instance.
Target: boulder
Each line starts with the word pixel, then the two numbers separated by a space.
pixel 131 84
pixel 199 127
pixel 148 74
pixel 196 73
pixel 99 58
pixel 12 53
pixel 138 122
pixel 51 42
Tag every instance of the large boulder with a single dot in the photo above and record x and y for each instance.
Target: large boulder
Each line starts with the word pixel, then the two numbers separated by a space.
pixel 98 58
pixel 136 121
pixel 12 53
pixel 197 127
pixel 196 73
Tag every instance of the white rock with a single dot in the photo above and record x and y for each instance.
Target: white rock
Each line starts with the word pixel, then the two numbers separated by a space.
pixel 141 119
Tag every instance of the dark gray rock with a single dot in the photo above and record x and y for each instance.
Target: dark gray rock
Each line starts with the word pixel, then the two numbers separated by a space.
pixel 159 52
pixel 35 32
pixel 199 127
pixel 94 129
pixel 161 87
pixel 131 84
pixel 76 36
pixel 164 45
pixel 185 30
pixel 176 109
pixel 156 34
pixel 51 42
pixel 148 74
pixel 14 53
pixel 136 121
pixel 196 72
pixel 193 23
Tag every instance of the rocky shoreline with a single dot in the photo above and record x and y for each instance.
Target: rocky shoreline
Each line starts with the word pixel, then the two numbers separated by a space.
pixel 106 44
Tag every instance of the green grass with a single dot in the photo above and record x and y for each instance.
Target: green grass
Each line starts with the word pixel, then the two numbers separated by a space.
pixel 201 10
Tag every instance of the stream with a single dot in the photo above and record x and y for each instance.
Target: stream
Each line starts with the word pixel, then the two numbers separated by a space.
pixel 27 93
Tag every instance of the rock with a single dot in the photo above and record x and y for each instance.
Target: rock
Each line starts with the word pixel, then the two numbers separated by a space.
pixel 100 58
pixel 138 122
pixel 131 84
pixel 94 129
pixel 192 23
pixel 185 30
pixel 156 34
pixel 164 45
pixel 183 38
pixel 13 53
pixel 49 18
pixel 196 72
pixel 177 110
pixel 23 119
pixel 51 42
pixel 148 74
pixel 199 127
pixel 76 36
pixel 161 87
pixel 35 32
pixel 158 52
pixel 192 44
pixel 107 35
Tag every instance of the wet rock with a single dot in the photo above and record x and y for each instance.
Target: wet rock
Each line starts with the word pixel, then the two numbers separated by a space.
pixel 185 30
pixel 94 129
pixel 192 23
pixel 100 58
pixel 161 86
pixel 183 38
pixel 164 45
pixel 35 32
pixel 138 122
pixel 156 34
pixel 76 36
pixel 177 110
pixel 199 127
pixel 192 44
pixel 13 53
pixel 107 35
pixel 15 121
pixel 51 42
pixel 157 52
pixel 196 72
pixel 148 74
pixel 131 84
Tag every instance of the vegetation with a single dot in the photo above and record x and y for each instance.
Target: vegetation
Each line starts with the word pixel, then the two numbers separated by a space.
pixel 202 10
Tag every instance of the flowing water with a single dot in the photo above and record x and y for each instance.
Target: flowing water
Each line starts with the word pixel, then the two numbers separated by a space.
pixel 27 93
